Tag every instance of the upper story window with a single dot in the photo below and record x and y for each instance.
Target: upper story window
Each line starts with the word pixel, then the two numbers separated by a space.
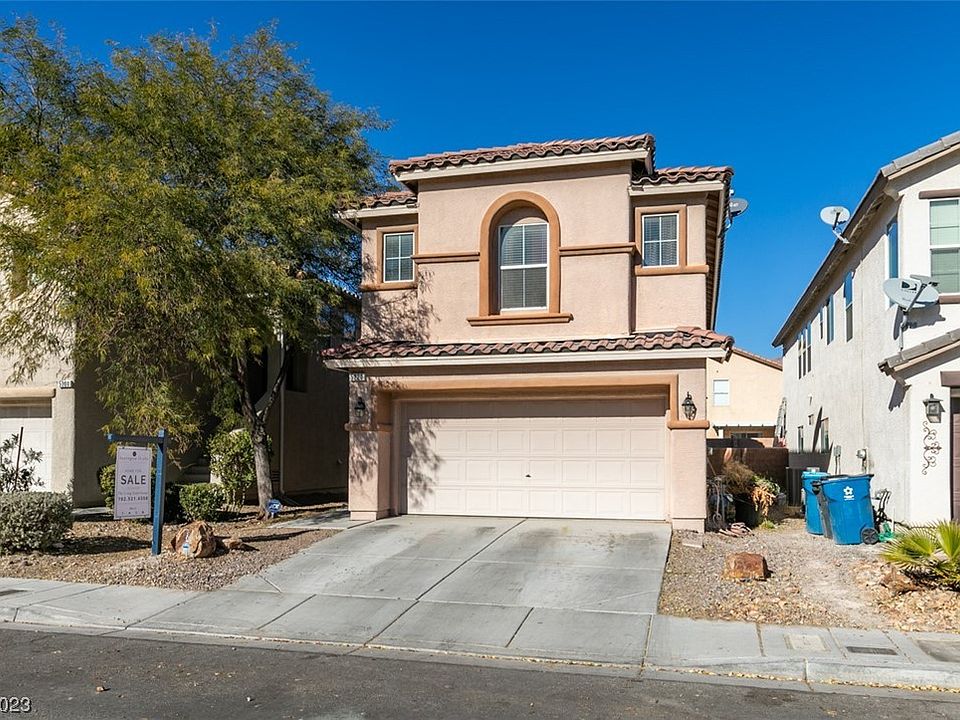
pixel 804 350
pixel 830 326
pixel 721 393
pixel 945 244
pixel 523 266
pixel 893 249
pixel 848 303
pixel 661 240
pixel 398 257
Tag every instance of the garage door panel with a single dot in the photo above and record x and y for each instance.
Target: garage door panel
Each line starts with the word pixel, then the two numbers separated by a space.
pixel 37 425
pixel 532 460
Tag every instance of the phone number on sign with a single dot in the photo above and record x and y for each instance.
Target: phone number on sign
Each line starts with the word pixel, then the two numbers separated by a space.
pixel 15 704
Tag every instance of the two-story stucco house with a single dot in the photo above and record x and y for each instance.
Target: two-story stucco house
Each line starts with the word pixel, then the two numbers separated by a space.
pixel 743 397
pixel 534 317
pixel 854 384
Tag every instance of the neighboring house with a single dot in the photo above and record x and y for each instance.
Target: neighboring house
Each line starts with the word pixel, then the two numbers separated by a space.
pixel 534 317
pixel 743 397
pixel 853 383
pixel 61 417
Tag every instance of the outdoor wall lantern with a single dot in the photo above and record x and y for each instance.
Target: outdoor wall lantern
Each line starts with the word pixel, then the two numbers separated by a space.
pixel 689 407
pixel 360 408
pixel 934 408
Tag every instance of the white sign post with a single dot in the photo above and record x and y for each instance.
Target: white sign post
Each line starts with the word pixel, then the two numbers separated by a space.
pixel 131 497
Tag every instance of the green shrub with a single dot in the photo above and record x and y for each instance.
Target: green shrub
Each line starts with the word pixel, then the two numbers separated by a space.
pixel 929 553
pixel 106 476
pixel 33 520
pixel 201 501
pixel 172 511
pixel 231 459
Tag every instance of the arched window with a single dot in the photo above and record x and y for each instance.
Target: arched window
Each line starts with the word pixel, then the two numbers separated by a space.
pixel 520 259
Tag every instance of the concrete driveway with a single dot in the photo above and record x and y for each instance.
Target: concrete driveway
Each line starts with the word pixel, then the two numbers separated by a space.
pixel 582 589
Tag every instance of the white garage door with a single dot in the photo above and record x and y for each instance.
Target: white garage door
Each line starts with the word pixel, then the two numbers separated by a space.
pixel 581 459
pixel 37 424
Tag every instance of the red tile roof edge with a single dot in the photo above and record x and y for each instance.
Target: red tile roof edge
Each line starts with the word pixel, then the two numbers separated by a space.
pixel 654 340
pixel 391 198
pixel 522 151
pixel 772 362
pixel 686 173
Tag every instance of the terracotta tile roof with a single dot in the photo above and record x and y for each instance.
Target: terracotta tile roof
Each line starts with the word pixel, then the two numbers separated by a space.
pixel 679 338
pixel 772 362
pixel 399 198
pixel 522 151
pixel 687 173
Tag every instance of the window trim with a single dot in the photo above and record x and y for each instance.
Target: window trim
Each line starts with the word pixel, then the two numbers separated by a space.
pixel 681 268
pixel 727 393
pixel 500 268
pixel 382 249
pixel 378 283
pixel 831 323
pixel 931 248
pixel 489 312
pixel 643 240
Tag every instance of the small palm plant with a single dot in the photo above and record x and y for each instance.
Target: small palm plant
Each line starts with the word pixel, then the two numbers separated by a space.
pixel 931 553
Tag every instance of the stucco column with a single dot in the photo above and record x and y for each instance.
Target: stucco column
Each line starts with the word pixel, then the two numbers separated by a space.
pixel 62 468
pixel 370 450
pixel 688 502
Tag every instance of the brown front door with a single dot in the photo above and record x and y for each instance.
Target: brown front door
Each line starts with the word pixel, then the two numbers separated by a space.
pixel 955 455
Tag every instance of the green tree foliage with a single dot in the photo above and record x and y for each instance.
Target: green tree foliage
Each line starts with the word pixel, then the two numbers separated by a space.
pixel 170 216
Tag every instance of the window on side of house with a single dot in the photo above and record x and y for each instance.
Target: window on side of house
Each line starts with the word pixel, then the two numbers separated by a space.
pixel 848 304
pixel 945 244
pixel 745 435
pixel 809 348
pixel 721 393
pixel 799 438
pixel 523 266
pixel 661 240
pixel 830 319
pixel 820 320
pixel 398 257
pixel 801 356
pixel 825 435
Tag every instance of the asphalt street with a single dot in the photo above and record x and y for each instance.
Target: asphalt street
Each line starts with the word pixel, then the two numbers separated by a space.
pixel 77 676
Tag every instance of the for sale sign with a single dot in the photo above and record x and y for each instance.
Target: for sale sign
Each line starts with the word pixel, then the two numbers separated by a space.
pixel 131 497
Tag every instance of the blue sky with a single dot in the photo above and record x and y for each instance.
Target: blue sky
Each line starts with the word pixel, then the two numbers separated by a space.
pixel 805 100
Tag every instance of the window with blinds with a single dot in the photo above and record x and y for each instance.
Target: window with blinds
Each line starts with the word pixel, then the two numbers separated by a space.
pixel 523 266
pixel 945 244
pixel 661 240
pixel 398 257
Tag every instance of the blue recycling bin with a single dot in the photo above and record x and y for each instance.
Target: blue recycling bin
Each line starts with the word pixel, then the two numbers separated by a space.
pixel 850 509
pixel 811 509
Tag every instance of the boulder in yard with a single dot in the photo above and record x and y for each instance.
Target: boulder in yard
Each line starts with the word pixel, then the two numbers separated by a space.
pixel 745 566
pixel 897 581
pixel 234 542
pixel 196 540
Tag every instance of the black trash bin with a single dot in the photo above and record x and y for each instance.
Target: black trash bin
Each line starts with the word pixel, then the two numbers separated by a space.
pixel 824 509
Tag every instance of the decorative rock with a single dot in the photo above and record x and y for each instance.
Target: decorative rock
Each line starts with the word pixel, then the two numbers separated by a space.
pixel 897 581
pixel 234 543
pixel 745 566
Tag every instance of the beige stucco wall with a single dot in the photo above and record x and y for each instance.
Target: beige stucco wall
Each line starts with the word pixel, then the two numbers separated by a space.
pixel 756 390
pixel 377 483
pixel 600 291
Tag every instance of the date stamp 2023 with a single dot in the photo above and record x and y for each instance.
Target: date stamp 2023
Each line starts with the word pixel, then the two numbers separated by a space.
pixel 15 705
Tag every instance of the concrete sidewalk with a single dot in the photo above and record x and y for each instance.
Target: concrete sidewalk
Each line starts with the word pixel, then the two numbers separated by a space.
pixel 342 625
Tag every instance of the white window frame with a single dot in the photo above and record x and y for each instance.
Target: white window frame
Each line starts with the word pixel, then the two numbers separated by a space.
pixel 848 319
pixel 643 238
pixel 400 257
pixel 529 266
pixel 936 248
pixel 717 394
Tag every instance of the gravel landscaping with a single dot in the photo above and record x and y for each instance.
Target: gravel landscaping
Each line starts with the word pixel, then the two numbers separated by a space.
pixel 813 582
pixel 98 550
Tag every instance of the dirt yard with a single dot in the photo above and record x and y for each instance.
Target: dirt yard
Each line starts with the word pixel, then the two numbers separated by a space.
pixel 117 552
pixel 813 582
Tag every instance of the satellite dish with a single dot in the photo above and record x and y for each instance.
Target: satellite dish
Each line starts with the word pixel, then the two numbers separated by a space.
pixel 911 292
pixel 834 215
pixel 738 206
